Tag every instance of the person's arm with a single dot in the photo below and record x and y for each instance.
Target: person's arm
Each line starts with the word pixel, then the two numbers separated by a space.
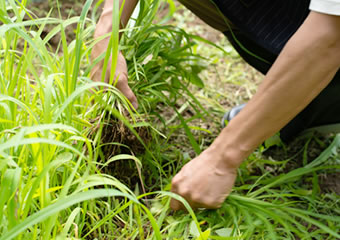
pixel 104 26
pixel 304 68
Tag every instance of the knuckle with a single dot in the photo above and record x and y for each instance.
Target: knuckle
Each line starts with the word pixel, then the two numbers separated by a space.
pixel 210 203
pixel 129 95
pixel 184 192
pixel 175 180
pixel 122 76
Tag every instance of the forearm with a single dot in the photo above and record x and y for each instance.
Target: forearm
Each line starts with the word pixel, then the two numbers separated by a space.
pixel 105 20
pixel 104 24
pixel 306 65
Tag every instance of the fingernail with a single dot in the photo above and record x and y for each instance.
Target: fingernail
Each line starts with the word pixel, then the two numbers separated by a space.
pixel 135 105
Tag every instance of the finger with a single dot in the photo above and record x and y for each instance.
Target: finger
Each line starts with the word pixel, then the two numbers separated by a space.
pixel 208 206
pixel 96 73
pixel 176 205
pixel 123 86
pixel 95 76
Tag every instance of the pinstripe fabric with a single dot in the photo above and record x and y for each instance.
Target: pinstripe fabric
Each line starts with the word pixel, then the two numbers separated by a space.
pixel 270 23
pixel 207 11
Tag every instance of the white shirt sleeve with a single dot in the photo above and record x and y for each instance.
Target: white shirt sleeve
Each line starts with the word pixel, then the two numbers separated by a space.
pixel 331 7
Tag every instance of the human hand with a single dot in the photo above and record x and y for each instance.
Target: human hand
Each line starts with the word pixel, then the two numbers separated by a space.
pixel 204 182
pixel 121 76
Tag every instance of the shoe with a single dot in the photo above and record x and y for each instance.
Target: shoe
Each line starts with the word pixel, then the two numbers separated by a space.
pixel 231 114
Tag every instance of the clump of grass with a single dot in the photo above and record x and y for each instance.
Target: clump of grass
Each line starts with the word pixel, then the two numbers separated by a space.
pixel 49 170
pixel 44 166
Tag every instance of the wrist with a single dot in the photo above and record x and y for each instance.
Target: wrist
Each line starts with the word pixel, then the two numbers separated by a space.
pixel 106 16
pixel 230 149
pixel 224 157
pixel 104 24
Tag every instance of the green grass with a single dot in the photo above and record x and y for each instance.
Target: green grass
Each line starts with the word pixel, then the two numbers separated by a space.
pixel 55 181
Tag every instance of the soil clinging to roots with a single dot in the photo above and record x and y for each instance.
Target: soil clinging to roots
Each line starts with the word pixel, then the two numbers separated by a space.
pixel 117 138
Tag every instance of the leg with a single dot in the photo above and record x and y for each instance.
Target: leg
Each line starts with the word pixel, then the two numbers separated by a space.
pixel 208 12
